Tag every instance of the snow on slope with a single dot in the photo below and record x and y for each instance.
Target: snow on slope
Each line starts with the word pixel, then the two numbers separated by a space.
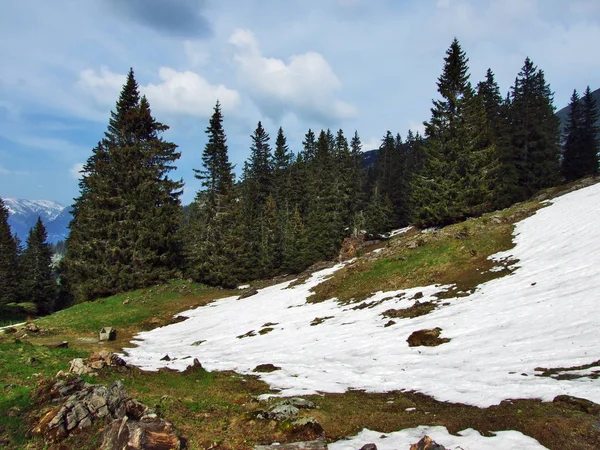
pixel 466 439
pixel 46 209
pixel 546 314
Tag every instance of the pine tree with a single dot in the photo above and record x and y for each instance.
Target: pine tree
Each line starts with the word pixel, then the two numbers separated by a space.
pixel 379 213
pixel 535 132
pixel 282 159
pixel 38 284
pixel 214 234
pixel 294 244
pixel 572 163
pixel 124 228
pixel 590 144
pixel 9 264
pixel 445 190
pixel 324 225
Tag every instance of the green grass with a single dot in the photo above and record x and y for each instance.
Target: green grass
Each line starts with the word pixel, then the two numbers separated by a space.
pixel 457 254
pixel 22 366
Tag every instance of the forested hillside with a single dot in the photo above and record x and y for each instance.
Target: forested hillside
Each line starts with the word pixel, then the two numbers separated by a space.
pixel 290 208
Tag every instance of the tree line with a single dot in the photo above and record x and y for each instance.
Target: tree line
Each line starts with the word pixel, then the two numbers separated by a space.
pixel 481 151
pixel 27 281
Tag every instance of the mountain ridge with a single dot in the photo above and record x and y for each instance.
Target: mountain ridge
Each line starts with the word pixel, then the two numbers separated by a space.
pixel 23 215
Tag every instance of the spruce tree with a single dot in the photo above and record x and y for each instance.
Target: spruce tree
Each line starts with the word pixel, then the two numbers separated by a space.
pixel 572 154
pixel 9 264
pixel 446 189
pixel 38 284
pixel 214 234
pixel 590 144
pixel 535 131
pixel 125 221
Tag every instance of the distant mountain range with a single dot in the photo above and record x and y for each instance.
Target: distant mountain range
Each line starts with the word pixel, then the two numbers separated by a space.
pixel 23 215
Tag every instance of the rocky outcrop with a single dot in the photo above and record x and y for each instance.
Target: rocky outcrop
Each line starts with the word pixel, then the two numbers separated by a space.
pixel 369 447
pixel 426 443
pixel 96 361
pixel 248 293
pixel 146 433
pixel 80 405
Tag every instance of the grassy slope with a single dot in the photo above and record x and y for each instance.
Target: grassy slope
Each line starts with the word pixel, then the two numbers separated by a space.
pixel 214 410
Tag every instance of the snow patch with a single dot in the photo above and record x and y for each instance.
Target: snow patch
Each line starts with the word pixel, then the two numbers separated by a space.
pixel 466 439
pixel 545 314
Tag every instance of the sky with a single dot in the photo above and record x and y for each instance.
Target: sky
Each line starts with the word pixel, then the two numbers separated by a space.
pixel 365 65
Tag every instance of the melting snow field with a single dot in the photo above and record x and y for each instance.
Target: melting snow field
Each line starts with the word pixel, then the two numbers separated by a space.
pixel 467 439
pixel 545 314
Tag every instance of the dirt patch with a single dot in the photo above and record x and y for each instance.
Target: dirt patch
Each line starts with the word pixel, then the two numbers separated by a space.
pixel 426 338
pixel 265 330
pixel 320 320
pixel 416 310
pixel 562 373
pixel 247 335
pixel 266 368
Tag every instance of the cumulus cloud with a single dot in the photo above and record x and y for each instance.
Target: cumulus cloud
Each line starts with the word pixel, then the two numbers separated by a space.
pixel 181 18
pixel 76 171
pixel 188 93
pixel 103 87
pixel 305 85
pixel 177 93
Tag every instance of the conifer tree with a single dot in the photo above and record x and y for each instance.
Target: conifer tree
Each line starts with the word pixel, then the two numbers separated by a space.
pixel 282 159
pixel 572 158
pixel 442 192
pixel 590 144
pixel 294 244
pixel 214 235
pixel 123 233
pixel 535 132
pixel 9 264
pixel 38 284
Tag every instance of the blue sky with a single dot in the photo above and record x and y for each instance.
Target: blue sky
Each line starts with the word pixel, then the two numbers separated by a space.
pixel 366 65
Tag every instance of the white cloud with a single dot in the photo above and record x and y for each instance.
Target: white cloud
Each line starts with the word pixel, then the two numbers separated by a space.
pixel 371 144
pixel 103 87
pixel 4 171
pixel 177 93
pixel 187 93
pixel 304 85
pixel 76 171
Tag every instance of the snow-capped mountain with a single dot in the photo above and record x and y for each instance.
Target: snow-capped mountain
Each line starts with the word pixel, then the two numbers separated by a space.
pixel 23 214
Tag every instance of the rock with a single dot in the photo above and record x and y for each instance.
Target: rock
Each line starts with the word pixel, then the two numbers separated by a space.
pixel 32 327
pixel 79 367
pixel 369 447
pixel 82 404
pixel 283 411
pixel 166 358
pixel 63 344
pixel 196 365
pixel 107 334
pixel 318 444
pixel 580 404
pixel 299 402
pixel 266 368
pixel 426 443
pixel 147 433
pixel 248 293
pixel 427 338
